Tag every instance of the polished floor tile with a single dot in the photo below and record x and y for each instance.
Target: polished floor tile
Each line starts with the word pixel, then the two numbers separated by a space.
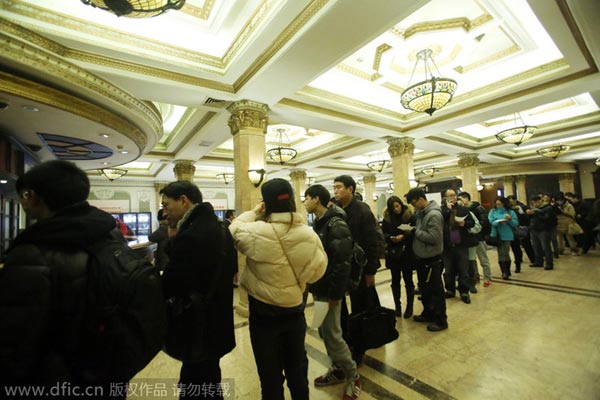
pixel 534 336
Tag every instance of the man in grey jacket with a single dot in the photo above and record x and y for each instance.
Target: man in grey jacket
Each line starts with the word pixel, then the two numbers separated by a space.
pixel 427 247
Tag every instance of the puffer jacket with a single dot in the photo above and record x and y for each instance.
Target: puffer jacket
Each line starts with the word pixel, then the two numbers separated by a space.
pixel 43 293
pixel 504 230
pixel 282 256
pixel 337 241
pixel 565 217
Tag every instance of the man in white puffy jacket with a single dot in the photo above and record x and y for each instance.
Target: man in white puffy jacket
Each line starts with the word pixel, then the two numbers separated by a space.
pixel 283 254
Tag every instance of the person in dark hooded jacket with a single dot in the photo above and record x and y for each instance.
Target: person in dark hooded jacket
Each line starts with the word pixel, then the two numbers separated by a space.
pixel 43 283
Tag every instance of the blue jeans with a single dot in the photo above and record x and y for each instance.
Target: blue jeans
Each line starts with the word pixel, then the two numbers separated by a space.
pixel 540 240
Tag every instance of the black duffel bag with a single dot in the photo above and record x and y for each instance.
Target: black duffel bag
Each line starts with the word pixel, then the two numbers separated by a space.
pixel 373 327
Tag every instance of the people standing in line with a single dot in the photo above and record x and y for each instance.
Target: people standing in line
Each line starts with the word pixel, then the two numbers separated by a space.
pixel 542 220
pixel 480 250
pixel 457 240
pixel 583 216
pixel 504 221
pixel 549 199
pixel 363 227
pixel 399 257
pixel 283 254
pixel 565 216
pixel 201 254
pixel 428 245
pixel 44 284
pixel 520 210
pixel 331 226
pixel 161 237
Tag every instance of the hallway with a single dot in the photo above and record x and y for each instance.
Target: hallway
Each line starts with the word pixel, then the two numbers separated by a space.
pixel 535 336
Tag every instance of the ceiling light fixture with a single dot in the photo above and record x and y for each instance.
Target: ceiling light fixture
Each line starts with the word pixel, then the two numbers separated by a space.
pixel 413 183
pixel 432 93
pixel 378 165
pixel 113 173
pixel 281 153
pixel 226 177
pixel 136 8
pixel 256 176
pixel 598 162
pixel 518 134
pixel 429 171
pixel 553 151
pixel 479 187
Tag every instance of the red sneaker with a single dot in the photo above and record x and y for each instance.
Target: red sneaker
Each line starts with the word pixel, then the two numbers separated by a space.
pixel 352 390
pixel 487 283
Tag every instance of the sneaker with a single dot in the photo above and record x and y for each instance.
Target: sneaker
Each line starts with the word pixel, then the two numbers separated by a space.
pixel 332 377
pixel 352 390
pixel 487 283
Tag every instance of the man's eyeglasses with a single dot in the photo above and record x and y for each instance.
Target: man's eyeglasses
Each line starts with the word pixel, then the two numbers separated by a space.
pixel 24 195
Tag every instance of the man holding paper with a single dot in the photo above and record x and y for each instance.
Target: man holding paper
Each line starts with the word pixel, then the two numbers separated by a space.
pixel 335 235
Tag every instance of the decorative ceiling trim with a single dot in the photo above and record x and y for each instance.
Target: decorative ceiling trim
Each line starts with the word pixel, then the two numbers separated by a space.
pixel 382 48
pixel 288 33
pixel 199 12
pixel 574 28
pixel 444 24
pixel 193 132
pixel 488 60
pixel 54 98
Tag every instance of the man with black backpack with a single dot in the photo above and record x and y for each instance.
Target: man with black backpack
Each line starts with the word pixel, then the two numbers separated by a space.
pixel 331 226
pixel 198 277
pixel 65 332
pixel 366 231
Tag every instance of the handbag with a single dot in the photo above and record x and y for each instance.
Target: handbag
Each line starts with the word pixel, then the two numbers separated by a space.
pixel 372 327
pixel 574 229
pixel 492 240
pixel 521 232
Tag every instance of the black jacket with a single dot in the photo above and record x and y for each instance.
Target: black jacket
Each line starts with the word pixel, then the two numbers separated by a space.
pixel 402 251
pixel 482 216
pixel 196 253
pixel 337 242
pixel 543 219
pixel 466 239
pixel 363 227
pixel 43 293
pixel 161 238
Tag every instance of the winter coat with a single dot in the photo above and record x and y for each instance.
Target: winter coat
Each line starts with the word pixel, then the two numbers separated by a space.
pixel 43 296
pixel 503 230
pixel 565 217
pixel 282 256
pixel 161 238
pixel 466 239
pixel 482 216
pixel 400 252
pixel 428 233
pixel 364 227
pixel 195 255
pixel 543 218
pixel 337 242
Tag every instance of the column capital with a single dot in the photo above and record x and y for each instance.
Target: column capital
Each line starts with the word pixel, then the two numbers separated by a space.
pixel 159 186
pixel 184 170
pixel 521 178
pixel 468 160
pixel 400 146
pixel 247 114
pixel 566 177
pixel 298 173
pixel 370 178
pixel 508 179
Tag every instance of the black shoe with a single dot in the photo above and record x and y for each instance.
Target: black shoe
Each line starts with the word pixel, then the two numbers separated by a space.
pixel 535 265
pixel 435 327
pixel 465 298
pixel 421 318
pixel 548 267
pixel 473 289
pixel 450 295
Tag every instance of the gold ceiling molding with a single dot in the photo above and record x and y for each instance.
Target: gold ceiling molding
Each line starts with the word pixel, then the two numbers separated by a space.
pixel 199 12
pixel 392 87
pixel 177 130
pixel 444 24
pixel 527 168
pixel 288 33
pixel 382 48
pixel 451 143
pixel 570 102
pixel 488 60
pixel 355 71
pixel 42 61
pixel 49 96
pixel 66 21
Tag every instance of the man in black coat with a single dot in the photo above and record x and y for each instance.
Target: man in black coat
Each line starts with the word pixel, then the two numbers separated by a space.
pixel 201 258
pixel 44 283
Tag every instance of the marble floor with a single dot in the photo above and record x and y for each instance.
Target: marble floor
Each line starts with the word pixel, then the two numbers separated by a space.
pixel 536 336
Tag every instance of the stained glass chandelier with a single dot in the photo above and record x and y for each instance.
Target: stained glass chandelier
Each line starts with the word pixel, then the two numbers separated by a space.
pixel 136 8
pixel 517 135
pixel 113 173
pixel 553 151
pixel 281 153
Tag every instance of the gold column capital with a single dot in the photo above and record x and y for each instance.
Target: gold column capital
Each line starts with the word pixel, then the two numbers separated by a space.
pixel 299 174
pixel 521 178
pixel 468 160
pixel 159 186
pixel 508 179
pixel 247 114
pixel 566 177
pixel 184 170
pixel 400 146
pixel 370 178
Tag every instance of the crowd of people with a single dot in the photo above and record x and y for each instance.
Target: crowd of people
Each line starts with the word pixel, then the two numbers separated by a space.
pixel 44 284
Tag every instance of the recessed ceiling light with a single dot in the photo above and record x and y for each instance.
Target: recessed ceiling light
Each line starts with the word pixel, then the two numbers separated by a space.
pixel 104 163
pixel 124 152
pixel 31 108
pixel 105 135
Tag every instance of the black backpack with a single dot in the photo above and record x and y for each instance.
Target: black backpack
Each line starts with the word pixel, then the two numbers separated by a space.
pixel 125 322
pixel 357 262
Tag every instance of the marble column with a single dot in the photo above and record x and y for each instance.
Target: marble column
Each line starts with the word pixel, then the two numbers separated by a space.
pixel 248 123
pixel 369 181
pixel 468 163
pixel 521 189
pixel 566 183
pixel 508 185
pixel 298 177
pixel 184 170
pixel 401 151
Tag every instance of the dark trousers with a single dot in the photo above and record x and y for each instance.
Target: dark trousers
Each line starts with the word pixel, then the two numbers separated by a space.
pixel 540 240
pixel 401 270
pixel 200 380
pixel 278 346
pixel 456 261
pixel 360 302
pixel 429 272
pixel 515 245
